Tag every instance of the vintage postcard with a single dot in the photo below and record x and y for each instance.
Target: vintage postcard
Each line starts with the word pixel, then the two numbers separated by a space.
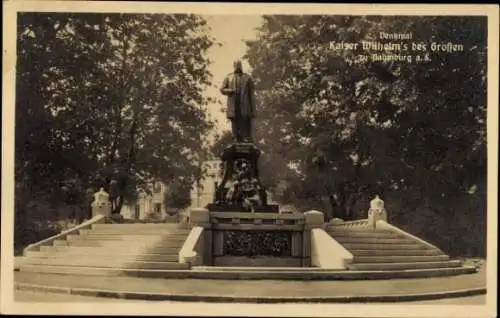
pixel 249 159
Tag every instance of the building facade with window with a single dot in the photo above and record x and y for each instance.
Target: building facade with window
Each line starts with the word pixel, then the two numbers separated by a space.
pixel 203 192
pixel 147 205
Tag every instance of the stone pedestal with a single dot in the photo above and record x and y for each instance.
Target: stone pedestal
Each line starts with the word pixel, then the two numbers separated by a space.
pixel 257 239
pixel 101 204
pixel 312 220
pixel 240 189
pixel 376 212
pixel 199 217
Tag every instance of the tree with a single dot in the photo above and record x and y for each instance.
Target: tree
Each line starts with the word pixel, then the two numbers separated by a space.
pixel 109 99
pixel 221 143
pixel 178 195
pixel 411 132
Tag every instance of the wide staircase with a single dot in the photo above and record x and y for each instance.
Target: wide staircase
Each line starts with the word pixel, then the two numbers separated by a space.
pixel 111 246
pixel 387 250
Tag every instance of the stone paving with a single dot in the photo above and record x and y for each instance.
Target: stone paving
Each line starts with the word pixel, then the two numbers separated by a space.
pixel 259 288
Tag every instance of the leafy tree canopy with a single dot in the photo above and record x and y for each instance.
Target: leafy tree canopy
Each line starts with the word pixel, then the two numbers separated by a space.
pixel 336 132
pixel 110 98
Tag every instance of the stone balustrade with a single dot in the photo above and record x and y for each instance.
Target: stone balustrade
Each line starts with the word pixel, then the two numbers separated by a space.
pixel 192 250
pixel 363 223
pixel 101 210
pixel 197 249
pixel 64 234
pixel 376 213
pixel 298 237
pixel 256 221
pixel 327 253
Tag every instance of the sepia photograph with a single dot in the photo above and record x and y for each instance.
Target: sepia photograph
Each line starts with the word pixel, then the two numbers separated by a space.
pixel 240 159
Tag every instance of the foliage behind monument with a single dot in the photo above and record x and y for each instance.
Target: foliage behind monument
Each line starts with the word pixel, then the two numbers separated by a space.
pixel 335 133
pixel 103 97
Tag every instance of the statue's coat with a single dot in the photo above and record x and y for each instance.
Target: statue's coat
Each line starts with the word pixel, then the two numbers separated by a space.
pixel 247 97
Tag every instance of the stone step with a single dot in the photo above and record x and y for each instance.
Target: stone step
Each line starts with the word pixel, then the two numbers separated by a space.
pixel 137 226
pixel 113 244
pixel 393 252
pixel 356 230
pixel 138 233
pixel 373 240
pixel 402 266
pixel 273 275
pixel 141 238
pixel 203 268
pixel 383 246
pixel 348 234
pixel 66 243
pixel 139 243
pixel 106 263
pixel 114 249
pixel 135 231
pixel 173 257
pixel 400 259
pixel 100 271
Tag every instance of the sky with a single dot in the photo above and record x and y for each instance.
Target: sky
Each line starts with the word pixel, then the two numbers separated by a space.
pixel 230 31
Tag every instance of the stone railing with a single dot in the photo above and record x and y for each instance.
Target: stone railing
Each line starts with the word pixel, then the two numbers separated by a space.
pixel 256 221
pixel 363 223
pixel 192 249
pixel 327 253
pixel 375 213
pixel 63 235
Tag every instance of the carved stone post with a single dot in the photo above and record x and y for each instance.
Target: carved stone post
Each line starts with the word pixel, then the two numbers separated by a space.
pixel 101 204
pixel 199 217
pixel 376 212
pixel 312 220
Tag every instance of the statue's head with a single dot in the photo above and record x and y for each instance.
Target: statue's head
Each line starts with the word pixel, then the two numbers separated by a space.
pixel 237 66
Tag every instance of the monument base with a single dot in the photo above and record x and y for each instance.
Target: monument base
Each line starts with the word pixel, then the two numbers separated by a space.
pixel 270 208
pixel 240 189
pixel 257 261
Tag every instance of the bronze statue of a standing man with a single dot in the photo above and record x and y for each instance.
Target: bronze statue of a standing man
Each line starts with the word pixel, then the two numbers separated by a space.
pixel 239 89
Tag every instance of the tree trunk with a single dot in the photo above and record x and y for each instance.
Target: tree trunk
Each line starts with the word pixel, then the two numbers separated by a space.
pixel 333 207
pixel 119 204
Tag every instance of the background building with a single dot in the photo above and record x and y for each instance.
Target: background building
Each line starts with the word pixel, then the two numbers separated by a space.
pixel 203 192
pixel 147 205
